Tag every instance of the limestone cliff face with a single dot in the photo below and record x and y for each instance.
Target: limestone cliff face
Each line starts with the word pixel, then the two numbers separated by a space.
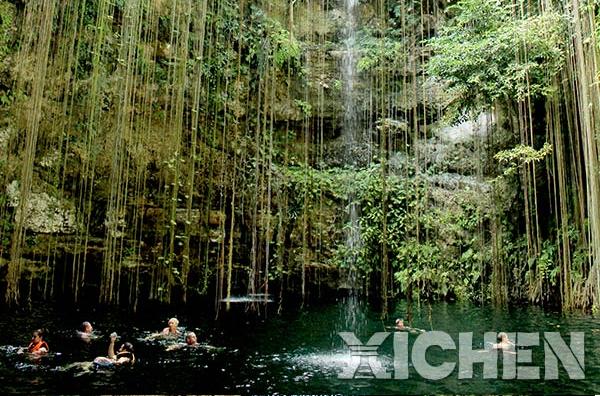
pixel 42 213
pixel 390 87
pixel 162 154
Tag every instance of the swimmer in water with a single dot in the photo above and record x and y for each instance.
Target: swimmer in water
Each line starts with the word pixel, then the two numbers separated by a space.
pixel 124 355
pixel 504 343
pixel 191 341
pixel 400 324
pixel 85 332
pixel 38 346
pixel 171 329
pixel 401 327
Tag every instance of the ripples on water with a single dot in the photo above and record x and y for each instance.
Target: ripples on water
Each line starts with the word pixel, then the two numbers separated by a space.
pixel 299 353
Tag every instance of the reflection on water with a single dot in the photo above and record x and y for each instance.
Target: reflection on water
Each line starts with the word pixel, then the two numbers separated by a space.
pixel 248 299
pixel 295 353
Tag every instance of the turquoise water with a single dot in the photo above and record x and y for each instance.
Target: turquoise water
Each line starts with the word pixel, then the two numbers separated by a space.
pixel 296 353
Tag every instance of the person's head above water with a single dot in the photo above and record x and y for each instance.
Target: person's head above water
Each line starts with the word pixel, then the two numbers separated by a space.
pixel 172 325
pixel 126 347
pixel 502 337
pixel 399 323
pixel 37 344
pixel 86 327
pixel 191 339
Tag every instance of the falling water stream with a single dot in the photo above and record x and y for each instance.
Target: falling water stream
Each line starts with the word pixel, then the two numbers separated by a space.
pixel 351 131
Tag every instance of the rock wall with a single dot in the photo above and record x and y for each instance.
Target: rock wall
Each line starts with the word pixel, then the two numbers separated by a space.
pixel 42 213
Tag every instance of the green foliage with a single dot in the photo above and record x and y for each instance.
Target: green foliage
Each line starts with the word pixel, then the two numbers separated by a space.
pixel 485 53
pixel 6 224
pixel 547 263
pixel 6 98
pixel 268 40
pixel 442 257
pixel 313 182
pixel 8 31
pixel 305 107
pixel 286 47
pixel 381 53
pixel 420 268
pixel 521 155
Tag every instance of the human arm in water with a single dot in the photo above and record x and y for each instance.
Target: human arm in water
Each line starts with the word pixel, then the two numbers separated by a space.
pixel 111 351
pixel 401 327
pixel 111 346
pixel 175 347
pixel 123 356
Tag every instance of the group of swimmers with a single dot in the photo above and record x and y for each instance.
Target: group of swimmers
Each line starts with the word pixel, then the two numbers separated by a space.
pixel 504 343
pixel 124 355
pixel 172 331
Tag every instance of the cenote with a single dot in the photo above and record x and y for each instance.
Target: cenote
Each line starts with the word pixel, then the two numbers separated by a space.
pixel 276 172
pixel 298 353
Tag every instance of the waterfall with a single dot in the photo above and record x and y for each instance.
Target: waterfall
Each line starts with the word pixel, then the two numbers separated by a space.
pixel 350 125
pixel 350 132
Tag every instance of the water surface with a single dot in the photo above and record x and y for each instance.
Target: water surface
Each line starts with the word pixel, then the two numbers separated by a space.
pixel 296 353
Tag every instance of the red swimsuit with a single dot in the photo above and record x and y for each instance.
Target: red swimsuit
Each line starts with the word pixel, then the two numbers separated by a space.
pixel 36 347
